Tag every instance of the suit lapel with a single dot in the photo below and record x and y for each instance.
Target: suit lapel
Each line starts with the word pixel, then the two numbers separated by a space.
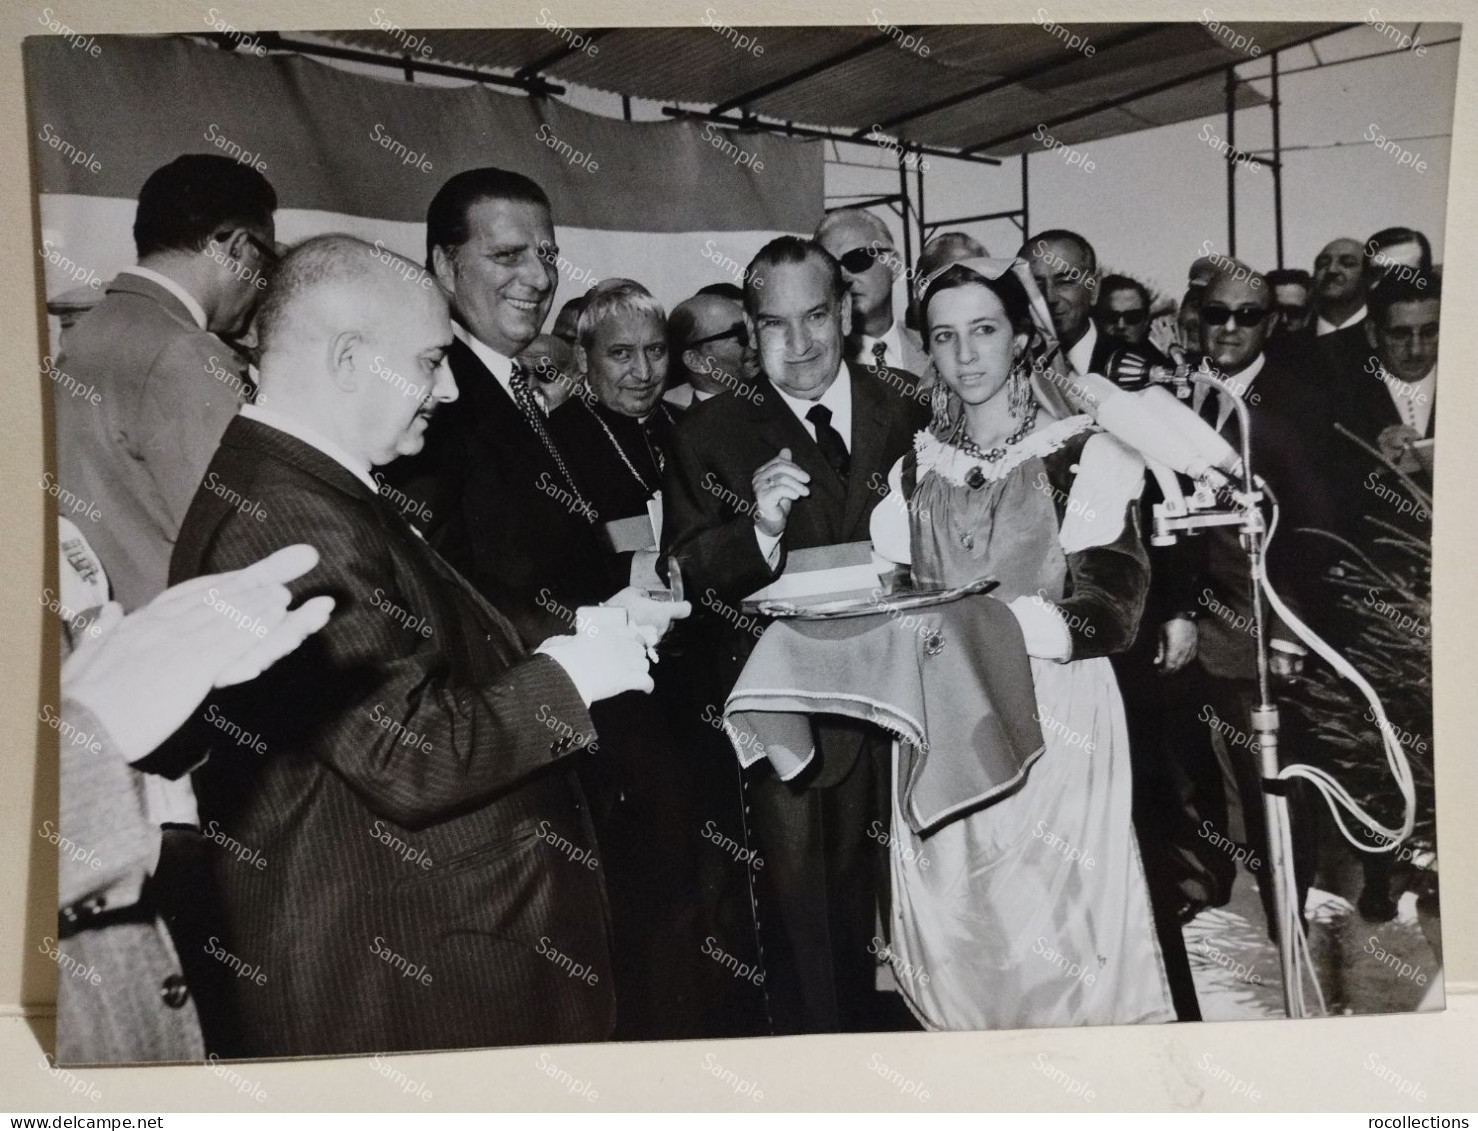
pixel 779 428
pixel 870 424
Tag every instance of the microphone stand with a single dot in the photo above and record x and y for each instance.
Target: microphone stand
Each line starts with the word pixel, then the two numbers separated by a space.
pixel 1246 514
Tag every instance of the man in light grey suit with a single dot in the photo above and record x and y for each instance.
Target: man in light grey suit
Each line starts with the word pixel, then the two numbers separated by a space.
pixel 862 244
pixel 161 385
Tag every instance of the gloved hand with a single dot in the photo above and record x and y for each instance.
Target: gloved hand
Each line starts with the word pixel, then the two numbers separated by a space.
pixel 1043 628
pixel 604 660
pixel 643 610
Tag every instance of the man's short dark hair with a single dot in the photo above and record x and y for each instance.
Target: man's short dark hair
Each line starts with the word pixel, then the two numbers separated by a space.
pixel 446 218
pixel 1062 235
pixel 1420 287
pixel 1394 237
pixel 1112 283
pixel 724 290
pixel 680 324
pixel 1290 276
pixel 788 249
pixel 197 196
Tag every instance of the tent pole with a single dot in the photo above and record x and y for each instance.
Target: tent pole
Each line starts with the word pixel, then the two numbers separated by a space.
pixel 1026 214
pixel 907 216
pixel 1276 105
pixel 1231 162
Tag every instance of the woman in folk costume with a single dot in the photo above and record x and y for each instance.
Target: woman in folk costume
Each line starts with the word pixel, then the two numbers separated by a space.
pixel 1032 910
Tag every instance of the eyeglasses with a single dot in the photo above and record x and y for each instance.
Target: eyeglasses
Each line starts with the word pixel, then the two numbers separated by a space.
pixel 1128 317
pixel 738 331
pixel 859 259
pixel 264 249
pixel 1215 314
pixel 1405 335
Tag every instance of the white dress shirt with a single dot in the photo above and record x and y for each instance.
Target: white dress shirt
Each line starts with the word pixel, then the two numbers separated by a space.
pixel 892 339
pixel 1080 357
pixel 837 399
pixel 1322 327
pixel 685 396
pixel 314 439
pixel 191 303
pixel 1413 400
pixel 499 366
pixel 1242 383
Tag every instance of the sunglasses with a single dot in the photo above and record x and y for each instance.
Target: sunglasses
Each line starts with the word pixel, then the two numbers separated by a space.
pixel 1128 317
pixel 859 259
pixel 738 331
pixel 1291 311
pixel 1215 314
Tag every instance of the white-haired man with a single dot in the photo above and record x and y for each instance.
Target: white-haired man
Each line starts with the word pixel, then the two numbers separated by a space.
pixel 862 244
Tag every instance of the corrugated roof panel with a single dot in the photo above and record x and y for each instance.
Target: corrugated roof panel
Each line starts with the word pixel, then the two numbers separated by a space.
pixel 853 77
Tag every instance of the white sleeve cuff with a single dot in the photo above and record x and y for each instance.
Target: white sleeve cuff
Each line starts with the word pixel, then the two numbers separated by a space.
pixel 769 547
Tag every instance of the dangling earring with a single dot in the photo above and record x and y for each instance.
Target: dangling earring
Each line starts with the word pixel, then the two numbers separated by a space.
pixel 939 404
pixel 1019 391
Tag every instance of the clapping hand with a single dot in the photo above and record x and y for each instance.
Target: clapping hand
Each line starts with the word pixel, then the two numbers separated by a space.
pixel 142 674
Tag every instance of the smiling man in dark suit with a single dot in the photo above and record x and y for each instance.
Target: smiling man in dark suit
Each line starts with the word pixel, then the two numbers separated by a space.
pixel 750 480
pixel 506 508
pixel 403 855
pixel 1291 443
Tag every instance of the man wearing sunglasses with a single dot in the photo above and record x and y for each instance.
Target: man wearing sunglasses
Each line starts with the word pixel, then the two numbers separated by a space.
pixel 1292 450
pixel 1122 315
pixel 1292 304
pixel 709 345
pixel 862 244
pixel 168 384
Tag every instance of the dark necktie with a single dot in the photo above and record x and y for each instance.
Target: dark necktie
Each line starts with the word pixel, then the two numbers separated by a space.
pixel 830 441
pixel 523 396
pixel 880 355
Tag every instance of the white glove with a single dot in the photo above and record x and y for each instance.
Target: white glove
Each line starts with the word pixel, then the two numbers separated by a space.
pixel 1043 628
pixel 604 660
pixel 142 674
pixel 643 610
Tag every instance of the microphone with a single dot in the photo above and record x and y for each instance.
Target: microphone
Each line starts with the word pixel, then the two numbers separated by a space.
pixel 1148 419
pixel 1131 370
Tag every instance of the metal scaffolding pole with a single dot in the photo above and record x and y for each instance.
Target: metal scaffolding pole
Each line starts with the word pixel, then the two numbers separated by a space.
pixel 907 209
pixel 1026 214
pixel 1275 105
pixel 1231 161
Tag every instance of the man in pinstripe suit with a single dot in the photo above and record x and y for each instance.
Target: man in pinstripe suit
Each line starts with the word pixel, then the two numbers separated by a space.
pixel 402 856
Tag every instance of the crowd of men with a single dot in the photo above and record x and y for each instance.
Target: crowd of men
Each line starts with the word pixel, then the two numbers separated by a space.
pixel 491 801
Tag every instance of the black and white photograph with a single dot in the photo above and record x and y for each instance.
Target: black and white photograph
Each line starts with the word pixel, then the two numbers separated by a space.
pixel 571 534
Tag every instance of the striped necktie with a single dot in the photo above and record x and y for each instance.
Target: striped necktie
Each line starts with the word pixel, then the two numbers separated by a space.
pixel 523 396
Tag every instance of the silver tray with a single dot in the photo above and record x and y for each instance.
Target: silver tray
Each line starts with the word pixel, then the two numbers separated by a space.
pixel 866 606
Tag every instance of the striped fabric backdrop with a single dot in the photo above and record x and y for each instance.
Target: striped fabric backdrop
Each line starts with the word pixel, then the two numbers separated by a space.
pixel 671 204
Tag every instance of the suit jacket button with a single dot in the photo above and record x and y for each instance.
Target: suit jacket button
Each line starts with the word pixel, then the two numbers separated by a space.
pixel 174 992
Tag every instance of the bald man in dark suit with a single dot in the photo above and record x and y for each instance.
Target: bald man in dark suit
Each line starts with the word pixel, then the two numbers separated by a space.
pixel 403 855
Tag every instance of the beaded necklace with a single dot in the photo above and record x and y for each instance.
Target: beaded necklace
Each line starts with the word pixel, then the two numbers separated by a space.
pixel 620 451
